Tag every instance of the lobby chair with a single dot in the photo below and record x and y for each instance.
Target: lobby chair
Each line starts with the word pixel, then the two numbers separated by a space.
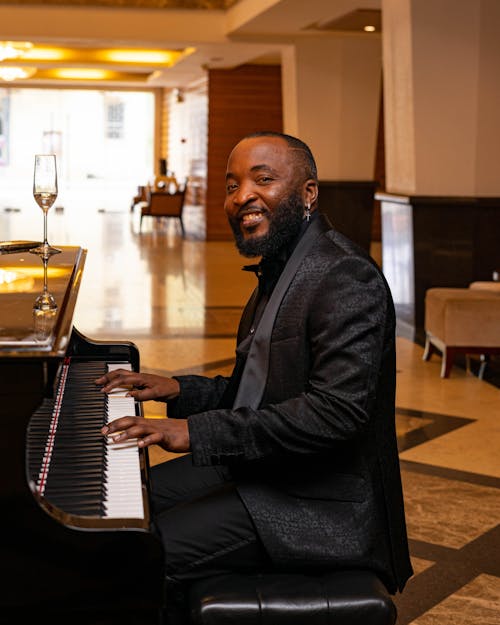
pixel 139 198
pixel 164 204
pixel 462 321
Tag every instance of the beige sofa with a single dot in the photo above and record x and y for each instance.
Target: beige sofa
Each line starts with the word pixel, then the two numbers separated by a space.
pixel 462 321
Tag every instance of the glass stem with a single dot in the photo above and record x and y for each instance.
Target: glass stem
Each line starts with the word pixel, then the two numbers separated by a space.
pixel 45 242
pixel 45 263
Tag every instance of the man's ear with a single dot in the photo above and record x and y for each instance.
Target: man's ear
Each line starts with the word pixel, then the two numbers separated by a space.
pixel 311 192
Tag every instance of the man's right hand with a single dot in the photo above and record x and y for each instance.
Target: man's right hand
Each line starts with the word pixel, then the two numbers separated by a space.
pixel 143 386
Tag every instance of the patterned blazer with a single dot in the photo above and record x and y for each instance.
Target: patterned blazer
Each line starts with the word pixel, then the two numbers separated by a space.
pixel 315 457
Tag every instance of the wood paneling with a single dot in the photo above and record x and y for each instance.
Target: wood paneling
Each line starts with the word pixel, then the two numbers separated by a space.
pixel 242 100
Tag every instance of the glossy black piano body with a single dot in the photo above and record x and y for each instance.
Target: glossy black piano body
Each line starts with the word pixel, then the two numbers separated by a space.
pixel 59 572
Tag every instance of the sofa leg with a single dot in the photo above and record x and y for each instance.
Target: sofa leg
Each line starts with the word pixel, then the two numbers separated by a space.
pixel 484 361
pixel 447 363
pixel 429 349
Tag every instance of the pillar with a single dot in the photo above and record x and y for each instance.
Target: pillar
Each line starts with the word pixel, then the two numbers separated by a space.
pixel 331 97
pixel 441 212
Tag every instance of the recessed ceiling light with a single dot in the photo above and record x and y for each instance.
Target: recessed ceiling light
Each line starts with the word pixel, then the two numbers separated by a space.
pixel 369 29
pixel 9 73
pixel 14 49
pixel 74 73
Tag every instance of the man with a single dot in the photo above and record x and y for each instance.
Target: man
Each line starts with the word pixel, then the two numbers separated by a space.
pixel 293 462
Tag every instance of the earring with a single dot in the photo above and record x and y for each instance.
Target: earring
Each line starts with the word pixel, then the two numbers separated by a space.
pixel 307 213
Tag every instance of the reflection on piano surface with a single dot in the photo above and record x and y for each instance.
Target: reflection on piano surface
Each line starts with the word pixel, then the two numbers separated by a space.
pixel 75 529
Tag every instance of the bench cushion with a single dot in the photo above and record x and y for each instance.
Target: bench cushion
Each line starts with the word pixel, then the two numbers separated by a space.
pixel 338 598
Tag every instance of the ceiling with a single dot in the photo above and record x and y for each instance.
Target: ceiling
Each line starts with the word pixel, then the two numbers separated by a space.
pixel 165 43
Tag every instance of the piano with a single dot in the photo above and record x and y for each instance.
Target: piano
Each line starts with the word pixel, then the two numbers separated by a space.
pixel 75 532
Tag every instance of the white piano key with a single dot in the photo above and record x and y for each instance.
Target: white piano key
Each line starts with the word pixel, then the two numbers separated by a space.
pixel 123 473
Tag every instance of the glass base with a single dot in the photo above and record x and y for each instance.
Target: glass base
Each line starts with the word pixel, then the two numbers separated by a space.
pixel 45 250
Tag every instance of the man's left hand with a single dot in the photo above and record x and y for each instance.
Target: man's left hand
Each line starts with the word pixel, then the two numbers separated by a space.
pixel 170 434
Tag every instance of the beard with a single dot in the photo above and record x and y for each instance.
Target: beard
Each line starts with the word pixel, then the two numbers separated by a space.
pixel 284 225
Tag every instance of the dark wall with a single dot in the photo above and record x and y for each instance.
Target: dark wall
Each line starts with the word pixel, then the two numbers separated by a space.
pixel 349 206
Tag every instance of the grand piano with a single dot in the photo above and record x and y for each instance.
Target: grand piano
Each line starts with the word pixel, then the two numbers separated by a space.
pixel 75 539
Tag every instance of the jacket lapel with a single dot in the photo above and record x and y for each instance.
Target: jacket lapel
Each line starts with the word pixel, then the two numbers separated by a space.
pixel 254 377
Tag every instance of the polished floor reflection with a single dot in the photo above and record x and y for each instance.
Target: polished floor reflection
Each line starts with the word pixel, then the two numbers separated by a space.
pixel 180 300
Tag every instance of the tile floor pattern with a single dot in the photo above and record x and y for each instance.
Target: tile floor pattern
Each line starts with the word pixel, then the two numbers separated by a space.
pixel 180 301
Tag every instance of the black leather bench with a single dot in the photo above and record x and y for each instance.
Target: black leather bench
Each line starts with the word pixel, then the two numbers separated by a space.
pixel 338 598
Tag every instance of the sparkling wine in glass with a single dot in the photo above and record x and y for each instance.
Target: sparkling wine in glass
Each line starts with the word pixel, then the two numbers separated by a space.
pixel 45 193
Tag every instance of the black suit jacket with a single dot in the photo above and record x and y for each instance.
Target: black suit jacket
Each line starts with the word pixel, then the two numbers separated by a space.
pixel 316 460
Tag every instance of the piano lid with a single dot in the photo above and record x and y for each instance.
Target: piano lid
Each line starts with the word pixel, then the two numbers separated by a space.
pixel 26 331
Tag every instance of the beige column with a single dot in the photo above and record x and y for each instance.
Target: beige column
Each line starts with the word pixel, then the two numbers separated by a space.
pixel 331 92
pixel 441 215
pixel 331 100
pixel 441 67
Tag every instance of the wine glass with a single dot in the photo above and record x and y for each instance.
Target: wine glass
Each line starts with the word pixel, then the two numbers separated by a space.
pixel 45 193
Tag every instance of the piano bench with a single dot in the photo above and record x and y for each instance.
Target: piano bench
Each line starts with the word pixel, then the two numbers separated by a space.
pixel 339 598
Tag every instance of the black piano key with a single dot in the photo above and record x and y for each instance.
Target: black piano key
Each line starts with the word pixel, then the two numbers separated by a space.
pixel 82 495
pixel 74 477
pixel 83 459
pixel 63 468
pixel 95 486
pixel 94 509
pixel 77 494
pixel 76 433
pixel 87 424
pixel 72 443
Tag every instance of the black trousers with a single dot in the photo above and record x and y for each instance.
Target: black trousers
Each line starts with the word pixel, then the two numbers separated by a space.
pixel 204 527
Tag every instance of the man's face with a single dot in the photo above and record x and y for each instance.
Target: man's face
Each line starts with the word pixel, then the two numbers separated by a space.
pixel 264 198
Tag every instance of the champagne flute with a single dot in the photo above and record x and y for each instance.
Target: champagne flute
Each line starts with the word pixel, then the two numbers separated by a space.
pixel 45 193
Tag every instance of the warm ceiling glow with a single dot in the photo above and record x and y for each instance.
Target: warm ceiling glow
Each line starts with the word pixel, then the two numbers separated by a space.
pixel 74 73
pixel 130 65
pixel 91 74
pixel 14 49
pixel 9 73
pixel 145 57
pixel 369 29
pixel 42 53
pixel 85 56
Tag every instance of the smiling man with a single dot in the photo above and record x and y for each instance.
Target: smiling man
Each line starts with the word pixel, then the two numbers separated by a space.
pixel 292 461
pixel 266 204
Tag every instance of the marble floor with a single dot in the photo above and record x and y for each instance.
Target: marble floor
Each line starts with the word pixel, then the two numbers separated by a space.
pixel 180 299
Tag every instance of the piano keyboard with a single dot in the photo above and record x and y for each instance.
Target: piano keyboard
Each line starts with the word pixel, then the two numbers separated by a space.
pixel 70 464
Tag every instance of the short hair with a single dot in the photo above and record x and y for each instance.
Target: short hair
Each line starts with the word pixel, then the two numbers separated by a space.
pixel 305 151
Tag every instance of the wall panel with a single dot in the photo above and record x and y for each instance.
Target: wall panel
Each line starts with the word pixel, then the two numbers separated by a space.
pixel 241 100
